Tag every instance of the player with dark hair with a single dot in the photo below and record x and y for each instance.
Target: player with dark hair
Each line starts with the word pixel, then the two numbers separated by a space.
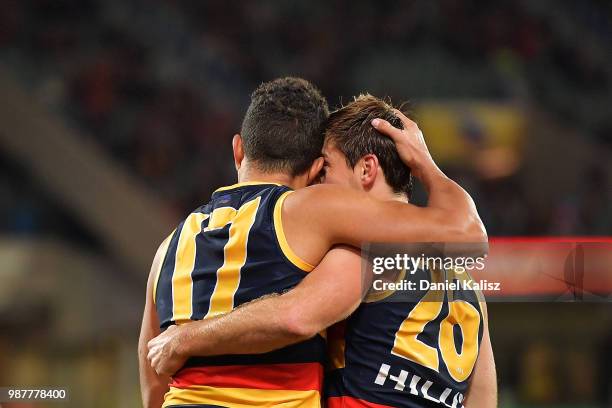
pixel 282 130
pixel 258 239
pixel 356 155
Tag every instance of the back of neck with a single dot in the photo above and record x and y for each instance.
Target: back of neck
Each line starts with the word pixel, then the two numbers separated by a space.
pixel 252 175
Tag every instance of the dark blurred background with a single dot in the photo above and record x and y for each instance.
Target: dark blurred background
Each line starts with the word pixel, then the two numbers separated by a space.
pixel 116 120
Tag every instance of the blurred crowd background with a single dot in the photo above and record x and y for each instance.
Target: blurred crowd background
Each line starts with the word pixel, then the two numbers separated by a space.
pixel 117 116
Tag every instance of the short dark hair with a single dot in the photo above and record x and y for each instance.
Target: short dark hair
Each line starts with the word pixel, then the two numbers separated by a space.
pixel 349 129
pixel 282 129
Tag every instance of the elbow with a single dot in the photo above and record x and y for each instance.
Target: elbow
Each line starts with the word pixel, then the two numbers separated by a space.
pixel 477 237
pixel 467 223
pixel 475 230
pixel 298 326
pixel 466 228
pixel 470 237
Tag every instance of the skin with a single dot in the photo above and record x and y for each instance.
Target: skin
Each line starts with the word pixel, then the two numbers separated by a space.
pixel 317 219
pixel 153 386
pixel 482 392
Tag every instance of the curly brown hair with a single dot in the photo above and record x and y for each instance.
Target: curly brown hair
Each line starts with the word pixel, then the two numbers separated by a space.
pixel 282 129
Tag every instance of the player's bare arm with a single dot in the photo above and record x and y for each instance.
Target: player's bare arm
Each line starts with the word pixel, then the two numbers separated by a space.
pixel 164 355
pixel 482 392
pixel 152 386
pixel 320 216
pixel 271 322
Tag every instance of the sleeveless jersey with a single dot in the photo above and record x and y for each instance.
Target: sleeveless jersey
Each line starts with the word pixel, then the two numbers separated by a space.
pixel 225 253
pixel 407 352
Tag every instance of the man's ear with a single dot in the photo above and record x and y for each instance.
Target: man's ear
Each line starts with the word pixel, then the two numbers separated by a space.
pixel 238 150
pixel 315 170
pixel 368 170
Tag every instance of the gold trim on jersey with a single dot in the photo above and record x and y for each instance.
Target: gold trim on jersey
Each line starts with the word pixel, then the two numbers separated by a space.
pixel 164 249
pixel 241 397
pixel 282 240
pixel 246 183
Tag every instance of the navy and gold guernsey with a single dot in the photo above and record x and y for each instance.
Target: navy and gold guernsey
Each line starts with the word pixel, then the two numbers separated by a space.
pixel 228 252
pixel 407 352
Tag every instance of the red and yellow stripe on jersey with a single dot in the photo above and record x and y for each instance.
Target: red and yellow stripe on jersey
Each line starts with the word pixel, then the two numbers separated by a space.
pixel 289 385
pixel 228 252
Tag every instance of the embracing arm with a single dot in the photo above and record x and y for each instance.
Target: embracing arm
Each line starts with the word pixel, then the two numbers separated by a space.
pixel 152 386
pixel 482 391
pixel 328 294
pixel 319 216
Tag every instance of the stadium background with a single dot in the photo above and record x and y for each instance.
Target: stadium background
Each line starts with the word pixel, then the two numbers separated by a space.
pixel 116 119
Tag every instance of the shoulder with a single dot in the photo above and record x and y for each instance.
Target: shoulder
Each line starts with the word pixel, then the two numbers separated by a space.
pixel 322 195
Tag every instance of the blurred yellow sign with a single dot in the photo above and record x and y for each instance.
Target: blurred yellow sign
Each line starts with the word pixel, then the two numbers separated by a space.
pixel 461 132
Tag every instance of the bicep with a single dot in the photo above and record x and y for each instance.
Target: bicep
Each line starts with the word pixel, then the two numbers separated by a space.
pixel 150 322
pixel 153 386
pixel 331 291
pixel 337 215
pixel 370 220
pixel 482 391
